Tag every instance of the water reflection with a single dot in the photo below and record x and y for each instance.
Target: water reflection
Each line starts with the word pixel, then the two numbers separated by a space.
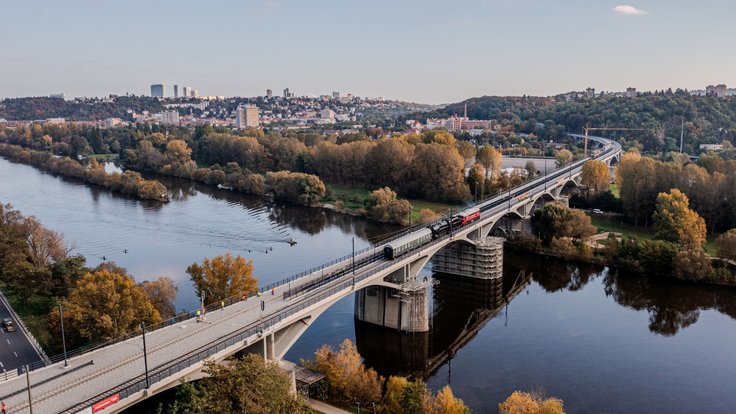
pixel 309 220
pixel 672 306
pixel 461 308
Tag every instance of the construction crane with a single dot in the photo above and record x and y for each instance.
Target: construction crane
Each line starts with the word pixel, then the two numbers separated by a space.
pixel 587 129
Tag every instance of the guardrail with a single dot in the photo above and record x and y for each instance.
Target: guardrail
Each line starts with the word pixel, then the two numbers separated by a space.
pixel 36 346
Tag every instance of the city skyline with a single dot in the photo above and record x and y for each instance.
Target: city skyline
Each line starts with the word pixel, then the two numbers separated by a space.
pixel 432 51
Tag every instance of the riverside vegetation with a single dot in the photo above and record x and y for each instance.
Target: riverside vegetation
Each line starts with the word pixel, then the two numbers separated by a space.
pixel 37 272
pixel 652 193
pixel 292 168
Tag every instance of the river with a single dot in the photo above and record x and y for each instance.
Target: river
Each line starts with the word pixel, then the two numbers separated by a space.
pixel 603 342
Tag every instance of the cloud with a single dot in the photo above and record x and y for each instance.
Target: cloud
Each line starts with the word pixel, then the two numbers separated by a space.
pixel 629 10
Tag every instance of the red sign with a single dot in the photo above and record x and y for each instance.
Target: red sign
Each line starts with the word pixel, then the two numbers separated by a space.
pixel 105 403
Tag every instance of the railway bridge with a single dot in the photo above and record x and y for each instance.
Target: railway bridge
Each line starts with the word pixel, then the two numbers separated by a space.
pixel 119 374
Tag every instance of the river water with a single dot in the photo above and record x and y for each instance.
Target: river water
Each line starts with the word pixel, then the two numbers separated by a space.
pixel 603 342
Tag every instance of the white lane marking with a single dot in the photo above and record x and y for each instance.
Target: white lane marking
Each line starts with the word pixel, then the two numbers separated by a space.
pixel 8 341
pixel 1 365
pixel 15 353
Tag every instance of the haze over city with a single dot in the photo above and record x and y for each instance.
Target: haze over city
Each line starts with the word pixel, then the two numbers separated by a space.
pixel 433 51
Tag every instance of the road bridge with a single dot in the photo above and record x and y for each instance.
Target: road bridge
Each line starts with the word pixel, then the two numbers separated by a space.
pixel 111 378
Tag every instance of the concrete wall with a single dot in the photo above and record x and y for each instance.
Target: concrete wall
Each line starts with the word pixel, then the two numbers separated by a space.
pixel 406 311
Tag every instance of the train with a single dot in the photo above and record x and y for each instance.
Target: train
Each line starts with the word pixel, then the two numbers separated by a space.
pixel 421 237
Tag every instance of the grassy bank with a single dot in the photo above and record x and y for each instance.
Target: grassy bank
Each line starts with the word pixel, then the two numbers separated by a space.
pixel 614 223
pixel 104 157
pixel 353 198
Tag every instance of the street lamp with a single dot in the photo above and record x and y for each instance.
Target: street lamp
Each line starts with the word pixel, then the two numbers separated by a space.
pixel 63 339
pixel 145 356
pixel 28 382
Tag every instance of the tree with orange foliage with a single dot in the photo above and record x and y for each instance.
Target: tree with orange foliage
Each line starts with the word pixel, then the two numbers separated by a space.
pixel 223 277
pixel 346 374
pixel 528 403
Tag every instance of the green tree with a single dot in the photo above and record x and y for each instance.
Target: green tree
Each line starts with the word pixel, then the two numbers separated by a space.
pixel 676 222
pixel 223 277
pixel 246 385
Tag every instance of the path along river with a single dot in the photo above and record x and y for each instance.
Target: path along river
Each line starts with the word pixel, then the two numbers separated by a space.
pixel 604 342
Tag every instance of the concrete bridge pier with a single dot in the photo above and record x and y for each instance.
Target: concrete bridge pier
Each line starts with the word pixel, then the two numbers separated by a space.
pixel 405 309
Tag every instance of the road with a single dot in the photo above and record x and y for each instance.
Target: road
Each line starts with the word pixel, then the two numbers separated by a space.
pixel 15 347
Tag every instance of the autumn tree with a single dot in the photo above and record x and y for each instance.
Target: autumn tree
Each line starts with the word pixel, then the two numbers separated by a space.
pixel 347 376
pixel 298 188
pixel 692 263
pixel 178 160
pixel 389 162
pixel 245 385
pixel 383 205
pixel 476 181
pixel 466 149
pixel 105 305
pixel 596 176
pixel 395 387
pixel 637 186
pixel 444 403
pixel 527 403
pixel 563 157
pixel 676 222
pixel 491 159
pixel 577 225
pixel 45 246
pixel 438 173
pixel 556 220
pixel 161 292
pixel 223 277
pixel 726 244
pixel 427 216
pixel 531 168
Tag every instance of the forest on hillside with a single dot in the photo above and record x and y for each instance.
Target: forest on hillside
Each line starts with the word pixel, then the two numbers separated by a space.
pixel 707 119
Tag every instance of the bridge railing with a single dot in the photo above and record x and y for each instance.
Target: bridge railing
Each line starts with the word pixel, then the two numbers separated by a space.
pixel 163 371
pixel 137 384
pixel 230 301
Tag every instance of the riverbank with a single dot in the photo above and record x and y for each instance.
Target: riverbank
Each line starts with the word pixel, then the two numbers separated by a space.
pixel 724 272
pixel 129 182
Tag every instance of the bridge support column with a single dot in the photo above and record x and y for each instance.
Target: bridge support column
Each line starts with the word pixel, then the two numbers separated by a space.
pixel 481 259
pixel 404 309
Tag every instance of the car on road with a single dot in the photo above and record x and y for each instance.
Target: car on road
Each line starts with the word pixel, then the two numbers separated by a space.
pixel 8 325
pixel 597 211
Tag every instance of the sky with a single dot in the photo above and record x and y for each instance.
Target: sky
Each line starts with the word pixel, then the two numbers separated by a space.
pixel 428 51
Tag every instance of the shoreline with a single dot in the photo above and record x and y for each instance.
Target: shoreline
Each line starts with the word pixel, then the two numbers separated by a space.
pixel 601 261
